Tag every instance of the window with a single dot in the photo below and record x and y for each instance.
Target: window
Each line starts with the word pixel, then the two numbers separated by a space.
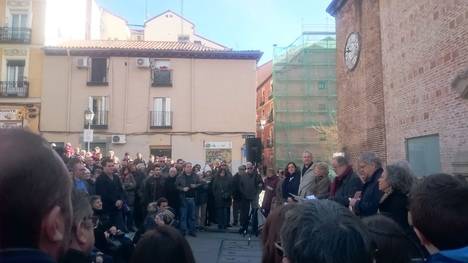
pixel 161 151
pixel 161 117
pixel 322 84
pixel 423 154
pixel 322 107
pixel 99 105
pixel 19 27
pixel 183 38
pixel 161 73
pixel 101 145
pixel 15 84
pixel 98 72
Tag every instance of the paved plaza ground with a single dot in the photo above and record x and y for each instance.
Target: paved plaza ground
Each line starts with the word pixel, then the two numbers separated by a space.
pixel 211 247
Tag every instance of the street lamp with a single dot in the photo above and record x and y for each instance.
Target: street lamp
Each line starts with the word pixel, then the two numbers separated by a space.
pixel 89 116
pixel 262 123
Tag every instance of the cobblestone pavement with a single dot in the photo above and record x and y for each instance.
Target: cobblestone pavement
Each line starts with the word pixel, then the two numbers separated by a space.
pixel 211 247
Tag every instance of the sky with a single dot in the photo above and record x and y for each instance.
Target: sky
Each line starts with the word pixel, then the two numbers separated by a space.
pixel 237 24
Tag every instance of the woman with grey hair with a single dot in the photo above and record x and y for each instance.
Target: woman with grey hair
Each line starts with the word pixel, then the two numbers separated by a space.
pixel 395 183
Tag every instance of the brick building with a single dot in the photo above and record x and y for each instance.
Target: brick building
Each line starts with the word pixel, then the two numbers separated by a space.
pixel 403 92
pixel 265 112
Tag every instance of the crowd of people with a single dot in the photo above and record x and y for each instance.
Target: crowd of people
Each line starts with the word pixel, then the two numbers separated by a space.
pixel 78 206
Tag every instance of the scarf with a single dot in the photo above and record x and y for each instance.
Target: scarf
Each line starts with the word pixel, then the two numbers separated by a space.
pixel 339 180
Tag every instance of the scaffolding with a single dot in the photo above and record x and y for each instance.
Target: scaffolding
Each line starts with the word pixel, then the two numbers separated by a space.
pixel 304 96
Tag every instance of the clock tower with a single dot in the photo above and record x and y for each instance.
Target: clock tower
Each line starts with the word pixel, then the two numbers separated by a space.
pixel 360 96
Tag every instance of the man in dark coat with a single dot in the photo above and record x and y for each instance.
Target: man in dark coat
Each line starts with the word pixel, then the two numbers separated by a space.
pixel 153 187
pixel 370 169
pixel 250 186
pixel 222 190
pixel 109 187
pixel 236 195
pixel 346 183
pixel 172 194
pixel 187 183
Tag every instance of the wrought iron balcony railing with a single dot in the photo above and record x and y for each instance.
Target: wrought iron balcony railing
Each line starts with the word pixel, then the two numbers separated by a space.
pixel 15 35
pixel 14 89
pixel 161 119
pixel 100 120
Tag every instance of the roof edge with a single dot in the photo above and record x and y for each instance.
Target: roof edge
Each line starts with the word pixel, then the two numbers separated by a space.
pixel 113 14
pixel 211 41
pixel 214 54
pixel 335 7
pixel 168 10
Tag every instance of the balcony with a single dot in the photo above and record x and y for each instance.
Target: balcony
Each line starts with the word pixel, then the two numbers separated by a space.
pixel 161 120
pixel 162 78
pixel 15 35
pixel 100 121
pixel 14 89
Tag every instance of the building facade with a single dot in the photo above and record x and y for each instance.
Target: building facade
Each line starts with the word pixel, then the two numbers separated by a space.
pixel 174 99
pixel 304 98
pixel 406 96
pixel 265 122
pixel 21 40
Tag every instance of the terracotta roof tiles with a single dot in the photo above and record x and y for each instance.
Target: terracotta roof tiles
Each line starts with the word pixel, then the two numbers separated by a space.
pixel 133 45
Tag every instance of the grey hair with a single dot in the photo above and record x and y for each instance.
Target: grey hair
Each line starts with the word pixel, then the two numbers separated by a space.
pixel 307 152
pixel 399 178
pixel 370 158
pixel 317 229
pixel 405 165
pixel 322 166
pixel 172 169
pixel 242 167
pixel 341 160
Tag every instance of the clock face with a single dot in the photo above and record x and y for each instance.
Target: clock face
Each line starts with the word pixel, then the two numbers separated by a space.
pixel 352 49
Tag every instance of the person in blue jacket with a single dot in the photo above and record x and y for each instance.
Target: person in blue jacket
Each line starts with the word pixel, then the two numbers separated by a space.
pixel 439 214
pixel 370 170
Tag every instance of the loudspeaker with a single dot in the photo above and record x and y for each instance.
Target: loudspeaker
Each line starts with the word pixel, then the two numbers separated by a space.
pixel 254 150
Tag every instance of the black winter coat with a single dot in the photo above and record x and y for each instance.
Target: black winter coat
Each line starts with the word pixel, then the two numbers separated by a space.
pixel 222 191
pixel 371 195
pixel 350 185
pixel 172 194
pixel 291 185
pixel 395 206
pixel 110 191
pixel 153 189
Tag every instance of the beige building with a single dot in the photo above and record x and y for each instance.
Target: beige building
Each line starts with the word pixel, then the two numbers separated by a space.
pixel 175 99
pixel 21 58
pixel 170 26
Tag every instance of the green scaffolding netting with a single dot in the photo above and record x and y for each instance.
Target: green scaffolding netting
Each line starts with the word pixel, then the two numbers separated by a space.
pixel 304 95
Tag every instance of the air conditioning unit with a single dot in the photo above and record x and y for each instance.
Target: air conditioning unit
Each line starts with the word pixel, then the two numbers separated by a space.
pixel 82 62
pixel 143 62
pixel 119 139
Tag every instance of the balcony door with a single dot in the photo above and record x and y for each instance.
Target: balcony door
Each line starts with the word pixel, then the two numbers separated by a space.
pixel 162 112
pixel 15 77
pixel 19 23
pixel 99 105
